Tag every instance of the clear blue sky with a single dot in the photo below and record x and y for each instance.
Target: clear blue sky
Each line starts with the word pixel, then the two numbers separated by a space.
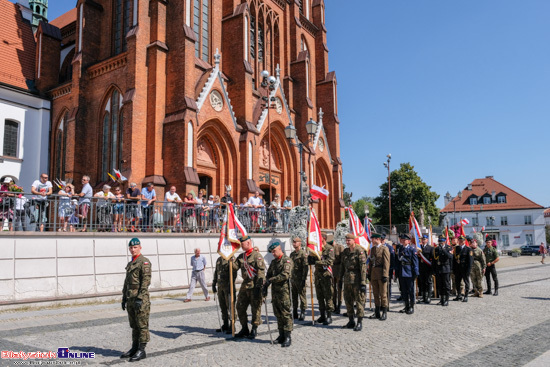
pixel 461 89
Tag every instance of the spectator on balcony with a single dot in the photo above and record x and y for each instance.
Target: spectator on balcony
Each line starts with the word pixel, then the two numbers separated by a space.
pixel 84 201
pixel 216 211
pixel 204 211
pixel 133 194
pixel 256 203
pixel 148 197
pixel 103 204
pixel 41 189
pixel 65 209
pixel 275 214
pixel 171 212
pixel 118 209
pixel 6 203
pixel 287 206
pixel 189 212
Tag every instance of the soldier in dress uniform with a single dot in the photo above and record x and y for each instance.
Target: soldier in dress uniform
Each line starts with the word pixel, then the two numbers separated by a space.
pixel 443 260
pixel 456 264
pixel 478 269
pixel 135 299
pixel 323 281
pixel 337 280
pixel 464 258
pixel 298 278
pixel 278 274
pixel 378 274
pixel 409 272
pixel 354 273
pixel 252 267
pixel 491 255
pixel 398 248
pixel 425 280
pixel 221 284
pixel 392 263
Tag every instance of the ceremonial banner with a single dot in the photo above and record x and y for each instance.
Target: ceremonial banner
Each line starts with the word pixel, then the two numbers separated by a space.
pixel 357 229
pixel 414 229
pixel 314 238
pixel 232 230
pixel 318 193
pixel 119 176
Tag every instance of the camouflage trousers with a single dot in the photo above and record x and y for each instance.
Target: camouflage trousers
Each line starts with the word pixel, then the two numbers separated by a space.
pixel 353 296
pixel 477 279
pixel 139 320
pixel 323 288
pixel 299 292
pixel 281 307
pixel 224 299
pixel 246 298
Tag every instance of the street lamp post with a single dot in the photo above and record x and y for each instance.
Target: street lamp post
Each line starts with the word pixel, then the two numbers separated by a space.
pixel 268 83
pixel 387 165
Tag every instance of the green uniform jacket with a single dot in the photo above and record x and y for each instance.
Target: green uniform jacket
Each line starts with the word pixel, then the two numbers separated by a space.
pixel 327 259
pixel 138 279
pixel 221 273
pixel 379 264
pixel 479 259
pixel 256 261
pixel 279 273
pixel 354 266
pixel 491 254
pixel 300 268
pixel 337 268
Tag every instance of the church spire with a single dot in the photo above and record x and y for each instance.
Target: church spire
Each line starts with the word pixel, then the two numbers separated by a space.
pixel 39 11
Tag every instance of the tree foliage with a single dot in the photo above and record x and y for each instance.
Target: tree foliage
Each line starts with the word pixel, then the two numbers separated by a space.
pixel 359 207
pixel 407 189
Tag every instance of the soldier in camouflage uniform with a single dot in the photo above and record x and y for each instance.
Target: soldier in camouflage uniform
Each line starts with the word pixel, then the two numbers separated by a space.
pixel 135 299
pixel 354 273
pixel 298 278
pixel 491 256
pixel 252 268
pixel 323 281
pixel 221 277
pixel 478 269
pixel 337 280
pixel 278 274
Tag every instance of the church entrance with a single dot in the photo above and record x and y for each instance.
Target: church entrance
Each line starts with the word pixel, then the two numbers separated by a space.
pixel 206 184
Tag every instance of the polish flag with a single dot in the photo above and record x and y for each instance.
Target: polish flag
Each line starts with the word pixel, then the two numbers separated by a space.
pixel 357 229
pixel 465 222
pixel 119 176
pixel 318 192
pixel 314 238
pixel 232 230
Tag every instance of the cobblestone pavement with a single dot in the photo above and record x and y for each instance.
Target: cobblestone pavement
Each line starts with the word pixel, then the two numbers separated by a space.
pixel 508 330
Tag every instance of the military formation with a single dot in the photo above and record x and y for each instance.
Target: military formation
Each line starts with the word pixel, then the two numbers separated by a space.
pixel 338 272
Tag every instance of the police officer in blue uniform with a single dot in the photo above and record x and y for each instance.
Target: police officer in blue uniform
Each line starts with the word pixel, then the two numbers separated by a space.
pixel 408 260
pixel 464 256
pixel 392 263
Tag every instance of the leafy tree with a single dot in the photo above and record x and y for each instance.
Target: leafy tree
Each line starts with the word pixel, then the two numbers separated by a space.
pixel 407 190
pixel 359 207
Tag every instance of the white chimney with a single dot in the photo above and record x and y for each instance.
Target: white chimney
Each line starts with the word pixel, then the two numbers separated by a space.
pixel 494 196
pixel 469 187
pixel 26 12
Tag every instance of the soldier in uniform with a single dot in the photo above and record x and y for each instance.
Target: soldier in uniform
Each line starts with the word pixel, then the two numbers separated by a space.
pixel 298 278
pixel 478 269
pixel 378 274
pixel 278 274
pixel 337 280
pixel 392 263
pixel 135 299
pixel 409 272
pixel 221 277
pixel 491 255
pixel 456 264
pixel 425 280
pixel 464 257
pixel 354 273
pixel 443 261
pixel 323 281
pixel 252 267
pixel 398 248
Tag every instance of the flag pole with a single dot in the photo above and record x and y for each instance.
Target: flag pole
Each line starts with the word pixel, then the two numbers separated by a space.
pixel 311 288
pixel 370 296
pixel 232 300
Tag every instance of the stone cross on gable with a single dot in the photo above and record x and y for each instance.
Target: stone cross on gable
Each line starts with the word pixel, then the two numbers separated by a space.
pixel 217 58
pixel 278 72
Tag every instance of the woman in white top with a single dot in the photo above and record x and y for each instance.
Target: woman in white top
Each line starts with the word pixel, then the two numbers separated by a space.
pixel 64 210
pixel 275 213
pixel 104 208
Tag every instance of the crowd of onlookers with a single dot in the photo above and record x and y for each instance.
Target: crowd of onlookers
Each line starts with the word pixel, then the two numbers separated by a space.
pixel 113 209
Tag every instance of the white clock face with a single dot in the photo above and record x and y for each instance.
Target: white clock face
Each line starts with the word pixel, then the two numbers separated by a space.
pixel 278 105
pixel 321 145
pixel 216 100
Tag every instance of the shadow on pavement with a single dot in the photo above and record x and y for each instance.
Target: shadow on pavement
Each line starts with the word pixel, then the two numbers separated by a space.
pixel 100 351
pixel 166 334
pixel 538 298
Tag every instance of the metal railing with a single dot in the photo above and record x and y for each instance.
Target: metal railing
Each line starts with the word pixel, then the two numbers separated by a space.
pixel 27 212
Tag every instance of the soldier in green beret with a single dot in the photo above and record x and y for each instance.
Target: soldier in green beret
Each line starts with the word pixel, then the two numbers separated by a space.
pixel 278 274
pixel 135 300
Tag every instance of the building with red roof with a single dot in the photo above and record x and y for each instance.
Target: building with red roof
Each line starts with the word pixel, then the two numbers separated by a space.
pixel 496 210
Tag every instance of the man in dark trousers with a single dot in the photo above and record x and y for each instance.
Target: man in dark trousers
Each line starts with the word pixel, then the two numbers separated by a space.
pixel 425 280
pixel 464 257
pixel 443 265
pixel 408 272
pixel 392 263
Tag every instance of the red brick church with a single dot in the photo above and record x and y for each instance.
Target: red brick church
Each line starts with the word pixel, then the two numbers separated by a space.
pixel 172 92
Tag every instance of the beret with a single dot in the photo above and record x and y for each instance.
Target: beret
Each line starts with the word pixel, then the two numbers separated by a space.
pixel 134 242
pixel 245 238
pixel 350 236
pixel 376 235
pixel 273 245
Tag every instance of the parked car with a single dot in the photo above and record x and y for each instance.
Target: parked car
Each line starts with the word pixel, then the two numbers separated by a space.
pixel 530 250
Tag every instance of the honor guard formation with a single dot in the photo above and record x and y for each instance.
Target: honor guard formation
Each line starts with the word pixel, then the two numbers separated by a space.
pixel 349 271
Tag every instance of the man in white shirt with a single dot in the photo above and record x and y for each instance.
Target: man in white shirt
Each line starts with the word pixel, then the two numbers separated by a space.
pixel 255 202
pixel 41 188
pixel 170 208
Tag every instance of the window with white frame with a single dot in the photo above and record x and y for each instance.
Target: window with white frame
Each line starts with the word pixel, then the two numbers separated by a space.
pixel 529 239
pixel 11 138
pixel 490 221
pixel 504 221
pixel 528 219
pixel 505 240
pixel 501 199
pixel 473 201
pixel 487 200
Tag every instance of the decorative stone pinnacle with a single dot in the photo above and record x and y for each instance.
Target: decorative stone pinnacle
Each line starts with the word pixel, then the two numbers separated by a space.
pixel 321 113
pixel 278 72
pixel 217 58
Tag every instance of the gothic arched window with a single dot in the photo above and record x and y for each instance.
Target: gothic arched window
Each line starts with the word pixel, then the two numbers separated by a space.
pixel 121 25
pixel 111 135
pixel 201 26
pixel 60 147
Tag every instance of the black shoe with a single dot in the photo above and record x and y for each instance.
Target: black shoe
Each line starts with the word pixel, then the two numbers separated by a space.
pixel 302 315
pixel 281 337
pixel 328 320
pixel 376 314
pixel 404 310
pixel 132 351
pixel 457 298
pixel 295 313
pixel 345 314
pixel 428 299
pixel 140 354
pixel 384 315
pixel 359 325
pixel 465 299
pixel 224 327
pixel 350 324
pixel 441 300
pixel 400 298
pixel 445 301
pixel 253 333
pixel 410 311
pixel 337 310
pixel 322 318
pixel 488 291
pixel 496 292
pixel 287 340
pixel 243 333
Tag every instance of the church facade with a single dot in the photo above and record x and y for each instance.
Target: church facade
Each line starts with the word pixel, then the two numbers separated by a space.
pixel 172 92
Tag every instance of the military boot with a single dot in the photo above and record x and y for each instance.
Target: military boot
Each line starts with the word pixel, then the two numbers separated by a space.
pixel 445 300
pixel 422 298
pixel 428 298
pixel 359 325
pixel 465 297
pixel 406 307
pixel 243 333
pixel 224 327
pixel 458 298
pixel 253 332
pixel 287 340
pixel 441 300
pixel 322 318
pixel 384 314
pixel 281 337
pixel 376 314
pixel 302 315
pixel 350 324
pixel 488 291
pixel 132 351
pixel 410 311
pixel 140 354
pixel 295 313
pixel 328 319
pixel 337 310
pixel 496 292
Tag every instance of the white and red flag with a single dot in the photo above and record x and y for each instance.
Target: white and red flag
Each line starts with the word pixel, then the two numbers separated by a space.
pixel 318 192
pixel 232 230
pixel 414 230
pixel 314 238
pixel 119 176
pixel 464 222
pixel 357 229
